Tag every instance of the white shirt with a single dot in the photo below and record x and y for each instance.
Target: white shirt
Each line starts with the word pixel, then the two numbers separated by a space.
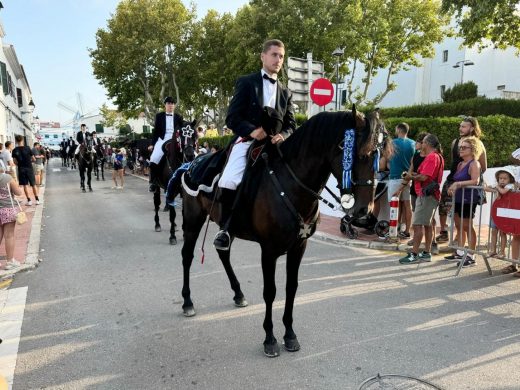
pixel 269 90
pixel 169 126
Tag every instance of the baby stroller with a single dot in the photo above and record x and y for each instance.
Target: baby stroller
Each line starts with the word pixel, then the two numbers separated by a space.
pixel 381 228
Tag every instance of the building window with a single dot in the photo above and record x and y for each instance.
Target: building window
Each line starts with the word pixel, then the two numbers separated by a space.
pixel 146 129
pixel 99 128
pixel 19 97
pixel 501 87
pixel 443 89
pixel 445 56
pixel 3 77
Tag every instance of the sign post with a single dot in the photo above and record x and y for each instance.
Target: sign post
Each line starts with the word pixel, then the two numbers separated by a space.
pixel 322 92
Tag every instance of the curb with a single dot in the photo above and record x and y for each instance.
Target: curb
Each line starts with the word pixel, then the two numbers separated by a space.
pixel 379 245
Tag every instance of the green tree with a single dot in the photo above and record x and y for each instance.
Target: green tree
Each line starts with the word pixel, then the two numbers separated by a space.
pixel 140 56
pixel 386 36
pixel 458 92
pixel 485 22
pixel 111 118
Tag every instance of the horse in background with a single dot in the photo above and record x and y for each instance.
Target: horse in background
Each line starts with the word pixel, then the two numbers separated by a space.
pixel 100 160
pixel 86 159
pixel 177 151
pixel 278 206
pixel 71 156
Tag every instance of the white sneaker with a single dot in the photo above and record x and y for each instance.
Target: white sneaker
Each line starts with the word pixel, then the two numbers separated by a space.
pixel 29 203
pixel 13 264
pixel 37 201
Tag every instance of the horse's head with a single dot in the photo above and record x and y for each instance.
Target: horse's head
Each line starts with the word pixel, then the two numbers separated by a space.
pixel 356 162
pixel 188 141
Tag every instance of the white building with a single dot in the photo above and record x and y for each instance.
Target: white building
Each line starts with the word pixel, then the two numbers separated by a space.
pixel 496 73
pixel 16 105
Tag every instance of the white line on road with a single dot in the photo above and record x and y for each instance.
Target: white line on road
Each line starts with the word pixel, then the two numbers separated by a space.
pixel 12 307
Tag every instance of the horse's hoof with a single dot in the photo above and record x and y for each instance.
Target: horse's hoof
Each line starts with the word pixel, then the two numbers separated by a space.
pixel 83 190
pixel 173 241
pixel 97 178
pixel 157 228
pixel 188 311
pixel 291 345
pixel 90 189
pixel 241 302
pixel 272 350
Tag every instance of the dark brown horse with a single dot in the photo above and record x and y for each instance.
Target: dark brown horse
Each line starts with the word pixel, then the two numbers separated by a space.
pixel 181 149
pixel 86 158
pixel 278 207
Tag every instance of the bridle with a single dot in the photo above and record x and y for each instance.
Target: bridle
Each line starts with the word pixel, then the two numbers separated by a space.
pixel 348 146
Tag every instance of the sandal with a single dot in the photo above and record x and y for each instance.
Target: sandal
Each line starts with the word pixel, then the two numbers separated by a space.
pixel 510 269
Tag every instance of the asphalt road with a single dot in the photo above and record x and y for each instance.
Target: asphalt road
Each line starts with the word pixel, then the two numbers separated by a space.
pixel 104 310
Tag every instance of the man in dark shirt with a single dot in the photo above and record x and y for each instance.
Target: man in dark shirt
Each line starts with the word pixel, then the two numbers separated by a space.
pixel 23 157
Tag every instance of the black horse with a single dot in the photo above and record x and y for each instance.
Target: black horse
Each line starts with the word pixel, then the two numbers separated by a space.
pixel 86 157
pixel 181 149
pixel 72 156
pixel 100 160
pixel 279 204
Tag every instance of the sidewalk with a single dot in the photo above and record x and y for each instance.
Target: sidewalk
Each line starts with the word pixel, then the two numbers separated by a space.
pixel 328 230
pixel 27 238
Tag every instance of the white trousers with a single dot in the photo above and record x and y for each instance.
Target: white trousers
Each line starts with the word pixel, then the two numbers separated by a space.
pixel 234 170
pixel 157 152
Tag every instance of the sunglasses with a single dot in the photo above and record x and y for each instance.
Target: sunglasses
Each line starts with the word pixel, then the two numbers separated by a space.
pixel 464 147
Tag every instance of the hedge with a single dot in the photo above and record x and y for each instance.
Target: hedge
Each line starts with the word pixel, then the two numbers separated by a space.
pixel 500 134
pixel 477 107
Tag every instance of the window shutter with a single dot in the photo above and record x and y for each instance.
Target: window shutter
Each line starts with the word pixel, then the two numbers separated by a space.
pixel 99 128
pixel 3 71
pixel 19 97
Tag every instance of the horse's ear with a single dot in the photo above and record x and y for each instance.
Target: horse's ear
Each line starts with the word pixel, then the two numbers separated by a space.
pixel 193 124
pixel 354 112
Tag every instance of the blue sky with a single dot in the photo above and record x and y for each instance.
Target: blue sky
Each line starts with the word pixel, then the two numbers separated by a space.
pixel 51 38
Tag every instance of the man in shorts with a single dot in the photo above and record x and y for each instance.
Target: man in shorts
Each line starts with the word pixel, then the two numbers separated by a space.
pixel 427 183
pixel 400 162
pixel 23 157
pixel 38 163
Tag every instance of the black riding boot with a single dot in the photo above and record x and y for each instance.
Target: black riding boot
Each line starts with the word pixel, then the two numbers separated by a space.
pixel 222 240
pixel 153 177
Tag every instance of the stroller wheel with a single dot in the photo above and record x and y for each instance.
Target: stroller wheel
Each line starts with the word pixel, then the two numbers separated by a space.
pixel 382 228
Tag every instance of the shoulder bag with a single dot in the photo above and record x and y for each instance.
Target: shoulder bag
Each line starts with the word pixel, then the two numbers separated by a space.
pixel 21 217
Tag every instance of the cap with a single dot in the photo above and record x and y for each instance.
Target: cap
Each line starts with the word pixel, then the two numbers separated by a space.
pixel 169 99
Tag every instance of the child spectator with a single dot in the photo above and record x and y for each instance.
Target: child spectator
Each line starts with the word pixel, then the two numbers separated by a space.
pixel 118 170
pixel 505 183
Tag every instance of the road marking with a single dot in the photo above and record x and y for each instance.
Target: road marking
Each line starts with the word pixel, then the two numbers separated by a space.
pixel 12 307
pixel 5 283
pixel 56 169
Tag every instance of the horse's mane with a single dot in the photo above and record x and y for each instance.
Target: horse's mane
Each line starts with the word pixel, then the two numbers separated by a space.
pixel 323 130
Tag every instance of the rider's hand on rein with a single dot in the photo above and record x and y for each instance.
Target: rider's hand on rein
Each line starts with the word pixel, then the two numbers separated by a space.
pixel 258 134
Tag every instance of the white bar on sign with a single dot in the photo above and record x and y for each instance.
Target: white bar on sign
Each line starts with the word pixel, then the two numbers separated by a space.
pixel 320 91
pixel 508 213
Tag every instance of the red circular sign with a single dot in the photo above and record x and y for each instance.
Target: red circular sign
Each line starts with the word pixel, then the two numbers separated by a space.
pixel 506 213
pixel 322 91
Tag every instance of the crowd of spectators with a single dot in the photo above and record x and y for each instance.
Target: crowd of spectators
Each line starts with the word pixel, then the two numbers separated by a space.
pixel 415 177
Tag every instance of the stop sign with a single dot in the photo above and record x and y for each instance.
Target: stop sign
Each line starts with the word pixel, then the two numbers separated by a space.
pixel 506 213
pixel 322 91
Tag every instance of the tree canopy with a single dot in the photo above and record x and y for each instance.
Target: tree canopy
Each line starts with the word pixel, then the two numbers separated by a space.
pixel 154 48
pixel 485 22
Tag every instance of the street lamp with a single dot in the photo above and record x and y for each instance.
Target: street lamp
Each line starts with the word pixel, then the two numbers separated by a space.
pixel 337 53
pixel 206 113
pixel 462 64
pixel 31 106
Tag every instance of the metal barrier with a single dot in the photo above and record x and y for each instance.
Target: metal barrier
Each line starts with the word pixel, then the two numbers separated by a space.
pixel 482 232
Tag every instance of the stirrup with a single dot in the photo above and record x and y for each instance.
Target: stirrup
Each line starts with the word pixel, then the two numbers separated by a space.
pixel 218 241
